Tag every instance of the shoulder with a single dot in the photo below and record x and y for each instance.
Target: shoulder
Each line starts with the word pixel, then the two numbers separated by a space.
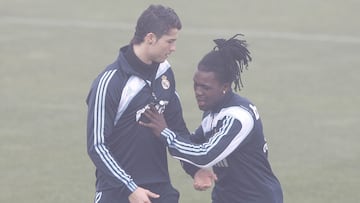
pixel 165 76
pixel 245 104
pixel 111 80
pixel 240 108
pixel 164 68
pixel 111 76
pixel 238 112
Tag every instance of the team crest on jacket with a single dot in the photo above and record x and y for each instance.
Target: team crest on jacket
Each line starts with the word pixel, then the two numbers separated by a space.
pixel 165 82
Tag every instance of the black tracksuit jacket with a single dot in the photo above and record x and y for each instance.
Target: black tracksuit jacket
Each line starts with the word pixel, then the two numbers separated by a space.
pixel 124 153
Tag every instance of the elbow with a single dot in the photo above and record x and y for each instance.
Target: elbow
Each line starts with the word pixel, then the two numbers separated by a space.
pixel 91 151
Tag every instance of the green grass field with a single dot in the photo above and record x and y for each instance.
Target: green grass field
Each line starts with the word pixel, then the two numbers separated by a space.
pixel 303 78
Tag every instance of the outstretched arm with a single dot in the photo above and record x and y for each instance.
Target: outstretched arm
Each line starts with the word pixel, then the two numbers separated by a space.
pixel 233 126
pixel 203 178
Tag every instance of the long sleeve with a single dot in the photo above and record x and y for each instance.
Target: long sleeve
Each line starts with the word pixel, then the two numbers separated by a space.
pixel 197 138
pixel 102 101
pixel 232 127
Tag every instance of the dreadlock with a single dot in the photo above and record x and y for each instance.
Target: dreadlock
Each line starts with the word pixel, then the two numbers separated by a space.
pixel 228 60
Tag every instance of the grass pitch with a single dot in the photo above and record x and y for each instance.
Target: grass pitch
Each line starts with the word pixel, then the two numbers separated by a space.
pixel 304 80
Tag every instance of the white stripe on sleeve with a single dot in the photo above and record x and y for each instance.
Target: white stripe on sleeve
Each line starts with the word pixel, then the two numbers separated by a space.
pixel 99 126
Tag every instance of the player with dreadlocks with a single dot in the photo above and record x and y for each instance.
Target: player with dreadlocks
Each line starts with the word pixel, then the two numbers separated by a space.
pixel 230 138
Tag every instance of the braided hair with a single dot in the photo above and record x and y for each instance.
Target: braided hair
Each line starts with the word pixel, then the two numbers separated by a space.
pixel 227 60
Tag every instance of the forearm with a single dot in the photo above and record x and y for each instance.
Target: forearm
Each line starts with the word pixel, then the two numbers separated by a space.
pixel 104 162
pixel 189 168
pixel 207 154
pixel 200 155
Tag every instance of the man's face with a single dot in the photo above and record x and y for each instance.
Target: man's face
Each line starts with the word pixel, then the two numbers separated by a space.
pixel 208 90
pixel 161 49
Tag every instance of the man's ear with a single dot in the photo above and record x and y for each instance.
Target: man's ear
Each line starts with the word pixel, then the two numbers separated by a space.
pixel 150 38
pixel 226 87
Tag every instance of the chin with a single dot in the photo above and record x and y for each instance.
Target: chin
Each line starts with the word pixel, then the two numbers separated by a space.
pixel 160 61
pixel 202 108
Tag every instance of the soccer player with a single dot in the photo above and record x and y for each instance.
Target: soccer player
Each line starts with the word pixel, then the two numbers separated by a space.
pixel 230 138
pixel 131 163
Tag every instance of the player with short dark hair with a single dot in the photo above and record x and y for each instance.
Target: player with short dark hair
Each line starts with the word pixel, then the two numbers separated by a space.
pixel 131 164
pixel 230 138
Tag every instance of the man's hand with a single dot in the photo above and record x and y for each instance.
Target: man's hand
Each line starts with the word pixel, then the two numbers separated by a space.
pixel 203 179
pixel 141 195
pixel 156 122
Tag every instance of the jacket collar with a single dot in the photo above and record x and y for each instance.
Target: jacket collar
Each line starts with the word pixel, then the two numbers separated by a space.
pixel 131 64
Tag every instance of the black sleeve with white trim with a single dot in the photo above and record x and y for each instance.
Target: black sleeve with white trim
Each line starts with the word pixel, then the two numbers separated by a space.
pixel 230 133
pixel 101 115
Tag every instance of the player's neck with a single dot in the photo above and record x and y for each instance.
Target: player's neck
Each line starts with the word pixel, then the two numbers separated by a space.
pixel 140 51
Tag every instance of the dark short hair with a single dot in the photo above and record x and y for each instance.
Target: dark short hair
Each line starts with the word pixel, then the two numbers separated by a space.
pixel 155 19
